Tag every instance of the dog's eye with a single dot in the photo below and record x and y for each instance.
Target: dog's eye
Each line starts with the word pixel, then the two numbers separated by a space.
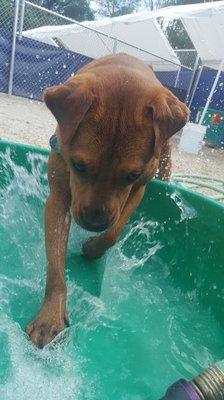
pixel 79 167
pixel 133 176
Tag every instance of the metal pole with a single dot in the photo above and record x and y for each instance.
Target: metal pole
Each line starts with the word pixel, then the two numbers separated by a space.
pixel 196 85
pixel 212 91
pixel 22 11
pixel 192 78
pixel 12 63
pixel 177 77
pixel 115 47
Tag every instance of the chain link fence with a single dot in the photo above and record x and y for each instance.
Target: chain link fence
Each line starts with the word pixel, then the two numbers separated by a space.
pixel 39 60
pixel 6 15
pixel 207 86
pixel 187 57
pixel 6 35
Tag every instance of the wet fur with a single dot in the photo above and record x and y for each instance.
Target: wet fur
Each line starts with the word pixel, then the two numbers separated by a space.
pixel 115 117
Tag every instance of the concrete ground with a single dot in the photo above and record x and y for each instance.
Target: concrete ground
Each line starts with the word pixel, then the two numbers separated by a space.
pixel 30 122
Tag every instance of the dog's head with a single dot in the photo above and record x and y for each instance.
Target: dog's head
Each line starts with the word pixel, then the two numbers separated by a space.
pixel 111 132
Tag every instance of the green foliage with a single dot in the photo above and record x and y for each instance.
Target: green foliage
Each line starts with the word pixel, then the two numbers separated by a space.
pixel 6 14
pixel 79 10
pixel 155 4
pixel 178 36
pixel 35 18
pixel 114 8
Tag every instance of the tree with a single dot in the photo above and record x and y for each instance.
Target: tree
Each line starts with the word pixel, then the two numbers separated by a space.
pixel 155 4
pixel 114 8
pixel 178 36
pixel 32 16
pixel 78 10
pixel 6 14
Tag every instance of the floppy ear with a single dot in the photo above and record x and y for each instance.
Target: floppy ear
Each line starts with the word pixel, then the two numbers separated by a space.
pixel 69 104
pixel 169 115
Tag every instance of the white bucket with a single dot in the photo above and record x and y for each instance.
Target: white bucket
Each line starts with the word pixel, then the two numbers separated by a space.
pixel 192 137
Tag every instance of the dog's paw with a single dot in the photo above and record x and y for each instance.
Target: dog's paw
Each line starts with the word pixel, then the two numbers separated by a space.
pixel 44 328
pixel 92 249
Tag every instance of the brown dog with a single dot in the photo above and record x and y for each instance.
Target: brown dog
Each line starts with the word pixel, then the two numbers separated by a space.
pixel 115 120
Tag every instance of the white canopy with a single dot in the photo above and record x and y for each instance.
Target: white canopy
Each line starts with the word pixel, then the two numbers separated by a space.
pixel 204 23
pixel 140 30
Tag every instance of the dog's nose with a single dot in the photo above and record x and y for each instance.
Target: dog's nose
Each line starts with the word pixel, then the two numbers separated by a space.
pixel 95 219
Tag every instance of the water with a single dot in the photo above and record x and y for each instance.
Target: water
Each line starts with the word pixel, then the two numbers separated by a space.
pixel 133 328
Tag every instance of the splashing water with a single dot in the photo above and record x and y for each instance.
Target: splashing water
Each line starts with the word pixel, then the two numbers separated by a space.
pixel 187 211
pixel 133 331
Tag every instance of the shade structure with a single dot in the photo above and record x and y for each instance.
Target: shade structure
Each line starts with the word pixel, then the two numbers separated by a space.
pixel 134 32
pixel 204 23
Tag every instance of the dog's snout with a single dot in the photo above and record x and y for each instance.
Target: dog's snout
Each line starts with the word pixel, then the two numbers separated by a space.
pixel 95 218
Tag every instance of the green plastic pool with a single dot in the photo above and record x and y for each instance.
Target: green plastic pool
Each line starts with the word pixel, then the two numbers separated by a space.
pixel 145 315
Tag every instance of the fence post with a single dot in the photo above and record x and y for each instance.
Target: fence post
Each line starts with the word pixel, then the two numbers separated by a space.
pixel 12 62
pixel 177 77
pixel 195 85
pixel 22 11
pixel 115 47
pixel 212 91
pixel 192 78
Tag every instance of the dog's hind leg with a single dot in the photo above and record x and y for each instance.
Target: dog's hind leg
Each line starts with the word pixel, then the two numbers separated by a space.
pixel 165 163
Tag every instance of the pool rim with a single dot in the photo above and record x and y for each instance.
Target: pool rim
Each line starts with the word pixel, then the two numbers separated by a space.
pixel 175 187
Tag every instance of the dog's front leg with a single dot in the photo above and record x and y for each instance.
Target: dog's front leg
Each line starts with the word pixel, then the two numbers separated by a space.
pixel 97 246
pixel 52 315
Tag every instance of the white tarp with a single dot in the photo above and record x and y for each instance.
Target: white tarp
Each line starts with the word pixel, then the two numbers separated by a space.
pixel 204 23
pixel 137 29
